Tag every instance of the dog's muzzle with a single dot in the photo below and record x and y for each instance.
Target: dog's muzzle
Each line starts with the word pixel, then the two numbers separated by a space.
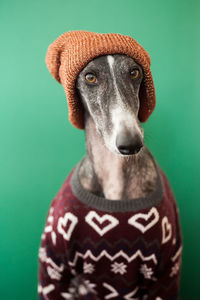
pixel 128 144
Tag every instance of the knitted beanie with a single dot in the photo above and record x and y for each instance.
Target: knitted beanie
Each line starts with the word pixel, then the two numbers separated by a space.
pixel 71 52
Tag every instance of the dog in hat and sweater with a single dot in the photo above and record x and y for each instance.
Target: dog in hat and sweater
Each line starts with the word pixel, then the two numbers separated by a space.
pixel 112 230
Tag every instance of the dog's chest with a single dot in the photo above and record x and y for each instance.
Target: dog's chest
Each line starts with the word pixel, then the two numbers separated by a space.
pixel 113 251
pixel 129 237
pixel 127 247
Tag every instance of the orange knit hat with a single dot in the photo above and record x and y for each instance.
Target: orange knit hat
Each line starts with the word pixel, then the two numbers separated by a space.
pixel 70 53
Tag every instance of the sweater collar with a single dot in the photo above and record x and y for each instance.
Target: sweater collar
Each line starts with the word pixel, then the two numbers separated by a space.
pixel 124 205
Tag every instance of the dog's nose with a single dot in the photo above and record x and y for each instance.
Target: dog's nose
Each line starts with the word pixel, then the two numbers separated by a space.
pixel 128 144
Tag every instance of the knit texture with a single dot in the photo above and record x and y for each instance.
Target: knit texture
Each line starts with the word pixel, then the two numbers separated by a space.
pixel 101 253
pixel 71 51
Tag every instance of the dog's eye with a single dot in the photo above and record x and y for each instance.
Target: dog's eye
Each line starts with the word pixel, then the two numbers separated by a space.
pixel 134 73
pixel 91 78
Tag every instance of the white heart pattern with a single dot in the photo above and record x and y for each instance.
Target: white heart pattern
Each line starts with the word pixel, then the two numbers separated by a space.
pixel 92 215
pixel 166 230
pixel 143 228
pixel 62 222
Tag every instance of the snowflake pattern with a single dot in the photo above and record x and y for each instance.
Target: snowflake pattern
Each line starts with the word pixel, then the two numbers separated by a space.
pixel 147 272
pixel 175 269
pixel 49 227
pixel 119 268
pixel 88 268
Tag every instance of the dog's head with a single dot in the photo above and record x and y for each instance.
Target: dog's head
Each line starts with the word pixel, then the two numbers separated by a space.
pixel 72 51
pixel 109 89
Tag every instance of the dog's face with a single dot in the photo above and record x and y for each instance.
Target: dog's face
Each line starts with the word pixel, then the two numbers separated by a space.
pixel 109 90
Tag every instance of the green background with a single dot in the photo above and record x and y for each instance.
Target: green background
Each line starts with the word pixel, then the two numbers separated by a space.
pixel 39 146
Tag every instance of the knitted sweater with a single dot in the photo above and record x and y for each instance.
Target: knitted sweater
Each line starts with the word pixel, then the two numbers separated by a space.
pixel 101 249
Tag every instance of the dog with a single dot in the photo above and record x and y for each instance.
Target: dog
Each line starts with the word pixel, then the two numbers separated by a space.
pixel 113 230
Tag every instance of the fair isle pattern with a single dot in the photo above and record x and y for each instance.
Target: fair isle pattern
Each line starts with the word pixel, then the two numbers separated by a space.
pixel 82 290
pixel 67 296
pixel 49 226
pixel 166 230
pixel 130 295
pixel 92 216
pixel 98 254
pixel 104 253
pixel 175 269
pixel 88 268
pixel 134 221
pixel 118 268
pixel 147 272
pixel 53 273
pixel 62 223
pixel 177 254
pixel 91 285
pixel 177 262
pixel 44 258
pixel 112 292
pixel 46 290
pixel 53 236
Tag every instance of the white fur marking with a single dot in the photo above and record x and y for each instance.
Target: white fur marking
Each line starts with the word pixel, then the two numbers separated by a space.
pixel 111 60
pixel 120 115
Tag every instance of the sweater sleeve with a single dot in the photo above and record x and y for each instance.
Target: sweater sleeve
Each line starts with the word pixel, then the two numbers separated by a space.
pixel 54 272
pixel 57 281
pixel 167 283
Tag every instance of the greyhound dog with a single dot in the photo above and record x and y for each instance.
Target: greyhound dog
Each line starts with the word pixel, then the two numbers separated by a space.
pixel 110 94
pixel 112 231
pixel 117 164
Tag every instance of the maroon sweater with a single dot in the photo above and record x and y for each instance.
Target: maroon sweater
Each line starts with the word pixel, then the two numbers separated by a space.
pixel 96 248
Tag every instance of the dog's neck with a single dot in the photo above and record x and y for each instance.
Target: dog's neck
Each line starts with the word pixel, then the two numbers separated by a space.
pixel 112 176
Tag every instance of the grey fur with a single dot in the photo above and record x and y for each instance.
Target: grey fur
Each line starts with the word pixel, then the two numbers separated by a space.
pixel 105 171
